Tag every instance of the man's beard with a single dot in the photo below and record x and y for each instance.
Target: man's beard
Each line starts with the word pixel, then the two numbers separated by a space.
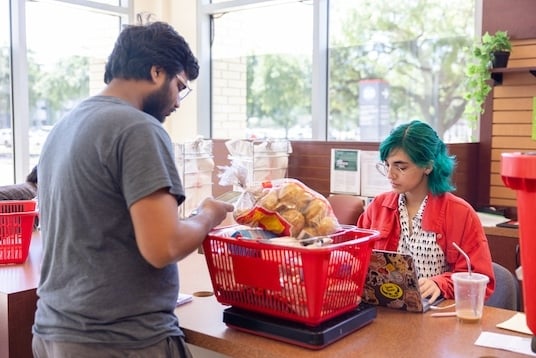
pixel 156 104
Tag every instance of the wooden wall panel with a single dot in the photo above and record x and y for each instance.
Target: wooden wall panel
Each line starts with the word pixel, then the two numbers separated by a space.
pixel 506 92
pixel 513 104
pixel 496 180
pixel 511 15
pixel 509 142
pixel 310 163
pixel 524 50
pixel 512 117
pixel 500 202
pixel 519 79
pixel 521 117
pixel 519 130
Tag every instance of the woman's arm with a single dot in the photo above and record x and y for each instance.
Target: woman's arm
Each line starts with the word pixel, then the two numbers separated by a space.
pixel 463 226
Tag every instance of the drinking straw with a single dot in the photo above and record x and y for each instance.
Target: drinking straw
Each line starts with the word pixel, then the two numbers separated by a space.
pixel 465 255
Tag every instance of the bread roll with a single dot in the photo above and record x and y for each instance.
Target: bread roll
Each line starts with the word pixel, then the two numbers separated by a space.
pixel 269 201
pixel 295 219
pixel 327 225
pixel 289 192
pixel 315 211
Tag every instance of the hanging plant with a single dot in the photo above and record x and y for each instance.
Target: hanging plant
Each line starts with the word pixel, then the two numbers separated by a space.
pixel 484 58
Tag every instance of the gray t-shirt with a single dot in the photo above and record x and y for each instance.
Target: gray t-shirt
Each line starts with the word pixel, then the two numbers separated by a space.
pixel 95 285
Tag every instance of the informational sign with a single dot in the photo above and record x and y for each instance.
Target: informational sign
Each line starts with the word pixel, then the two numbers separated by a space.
pixel 373 110
pixel 345 174
pixel 372 182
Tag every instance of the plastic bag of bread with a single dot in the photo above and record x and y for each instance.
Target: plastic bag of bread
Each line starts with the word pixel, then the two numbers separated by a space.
pixel 286 207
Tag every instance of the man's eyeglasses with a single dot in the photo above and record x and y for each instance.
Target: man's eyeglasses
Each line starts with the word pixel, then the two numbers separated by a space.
pixel 383 168
pixel 185 91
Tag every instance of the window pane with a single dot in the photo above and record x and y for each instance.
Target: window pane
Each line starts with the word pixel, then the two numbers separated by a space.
pixel 394 61
pixel 6 136
pixel 261 72
pixel 65 62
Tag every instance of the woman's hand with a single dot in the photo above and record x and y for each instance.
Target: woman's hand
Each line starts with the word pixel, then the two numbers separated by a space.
pixel 429 289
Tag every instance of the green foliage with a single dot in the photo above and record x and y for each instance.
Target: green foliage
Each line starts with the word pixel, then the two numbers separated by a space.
pixel 500 41
pixel 54 87
pixel 5 87
pixel 278 90
pixel 422 60
pixel 478 82
pixel 69 81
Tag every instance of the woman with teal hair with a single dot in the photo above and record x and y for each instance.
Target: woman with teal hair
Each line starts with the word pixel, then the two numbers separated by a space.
pixel 421 216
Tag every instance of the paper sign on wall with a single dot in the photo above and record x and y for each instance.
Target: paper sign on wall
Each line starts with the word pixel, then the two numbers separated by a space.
pixel 372 182
pixel 345 175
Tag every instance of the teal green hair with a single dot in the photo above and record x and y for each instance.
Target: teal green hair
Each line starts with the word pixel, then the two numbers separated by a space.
pixel 423 146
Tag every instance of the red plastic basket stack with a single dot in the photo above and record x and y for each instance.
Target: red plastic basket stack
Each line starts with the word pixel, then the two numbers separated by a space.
pixel 308 285
pixel 16 226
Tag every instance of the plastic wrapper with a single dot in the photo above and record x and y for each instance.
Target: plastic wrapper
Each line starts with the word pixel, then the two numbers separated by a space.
pixel 262 159
pixel 249 148
pixel 195 165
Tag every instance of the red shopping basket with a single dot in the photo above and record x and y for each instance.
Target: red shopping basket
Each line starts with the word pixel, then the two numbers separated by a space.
pixel 16 226
pixel 308 285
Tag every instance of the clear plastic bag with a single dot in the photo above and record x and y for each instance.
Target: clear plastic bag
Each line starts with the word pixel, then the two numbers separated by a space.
pixel 286 207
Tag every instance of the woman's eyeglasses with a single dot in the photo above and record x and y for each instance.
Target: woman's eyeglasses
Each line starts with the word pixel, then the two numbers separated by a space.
pixel 383 168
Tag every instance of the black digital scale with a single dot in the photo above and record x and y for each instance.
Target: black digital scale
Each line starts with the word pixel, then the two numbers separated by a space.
pixel 313 337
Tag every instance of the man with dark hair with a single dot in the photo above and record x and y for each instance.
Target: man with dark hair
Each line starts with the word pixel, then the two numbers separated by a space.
pixel 21 191
pixel 109 193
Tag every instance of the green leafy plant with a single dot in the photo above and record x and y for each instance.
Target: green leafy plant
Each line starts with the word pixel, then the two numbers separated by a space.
pixel 479 83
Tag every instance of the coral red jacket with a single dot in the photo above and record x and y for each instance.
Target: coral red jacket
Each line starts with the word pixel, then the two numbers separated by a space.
pixel 451 218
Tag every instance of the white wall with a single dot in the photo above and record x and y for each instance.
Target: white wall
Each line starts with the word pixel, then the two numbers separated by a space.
pixel 182 15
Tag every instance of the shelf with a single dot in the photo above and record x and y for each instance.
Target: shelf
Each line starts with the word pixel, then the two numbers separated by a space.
pixel 497 73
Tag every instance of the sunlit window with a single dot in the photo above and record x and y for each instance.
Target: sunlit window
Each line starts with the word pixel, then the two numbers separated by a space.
pixel 394 61
pixel 387 63
pixel 64 66
pixel 6 134
pixel 67 47
pixel 261 79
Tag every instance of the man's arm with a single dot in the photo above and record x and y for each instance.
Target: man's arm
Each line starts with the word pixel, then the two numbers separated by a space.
pixel 162 237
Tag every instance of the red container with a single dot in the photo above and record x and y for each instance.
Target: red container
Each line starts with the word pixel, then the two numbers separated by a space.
pixel 16 226
pixel 307 285
pixel 518 172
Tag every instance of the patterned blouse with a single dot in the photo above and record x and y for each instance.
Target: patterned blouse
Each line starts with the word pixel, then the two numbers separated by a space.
pixel 427 254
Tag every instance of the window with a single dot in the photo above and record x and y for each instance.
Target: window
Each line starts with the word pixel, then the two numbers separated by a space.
pixel 261 80
pixel 66 49
pixel 390 62
pixel 6 130
pixel 70 68
pixel 383 63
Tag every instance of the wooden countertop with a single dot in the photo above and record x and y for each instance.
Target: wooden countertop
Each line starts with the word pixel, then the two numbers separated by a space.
pixel 22 277
pixel 502 231
pixel 392 334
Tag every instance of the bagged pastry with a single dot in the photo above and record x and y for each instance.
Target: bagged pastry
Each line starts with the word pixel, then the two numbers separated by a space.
pixel 286 207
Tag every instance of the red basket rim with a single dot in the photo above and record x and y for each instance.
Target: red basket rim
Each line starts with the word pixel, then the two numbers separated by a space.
pixel 21 213
pixel 264 243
